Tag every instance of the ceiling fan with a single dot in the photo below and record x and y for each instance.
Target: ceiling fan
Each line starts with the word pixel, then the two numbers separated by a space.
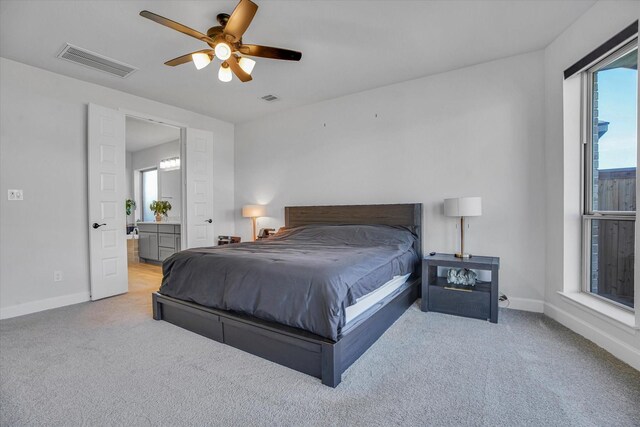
pixel 225 43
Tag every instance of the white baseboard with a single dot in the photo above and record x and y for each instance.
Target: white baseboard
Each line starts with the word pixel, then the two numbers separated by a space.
pixel 44 304
pixel 613 345
pixel 526 304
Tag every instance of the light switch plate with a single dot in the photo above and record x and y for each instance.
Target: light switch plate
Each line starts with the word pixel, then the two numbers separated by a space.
pixel 15 195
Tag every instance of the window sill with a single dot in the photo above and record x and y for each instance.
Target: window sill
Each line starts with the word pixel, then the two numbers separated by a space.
pixel 608 312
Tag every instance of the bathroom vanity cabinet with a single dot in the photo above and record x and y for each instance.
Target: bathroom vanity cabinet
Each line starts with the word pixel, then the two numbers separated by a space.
pixel 158 241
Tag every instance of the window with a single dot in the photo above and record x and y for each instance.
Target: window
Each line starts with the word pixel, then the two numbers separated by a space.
pixel 610 154
pixel 149 193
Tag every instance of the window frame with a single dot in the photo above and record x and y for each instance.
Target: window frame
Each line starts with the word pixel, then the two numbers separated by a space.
pixel 142 183
pixel 588 214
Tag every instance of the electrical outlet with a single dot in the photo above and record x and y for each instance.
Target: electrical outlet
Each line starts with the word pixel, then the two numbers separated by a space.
pixel 15 195
pixel 57 276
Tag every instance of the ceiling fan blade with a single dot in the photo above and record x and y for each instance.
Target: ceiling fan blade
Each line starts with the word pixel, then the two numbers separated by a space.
pixel 240 19
pixel 270 52
pixel 235 67
pixel 176 26
pixel 187 58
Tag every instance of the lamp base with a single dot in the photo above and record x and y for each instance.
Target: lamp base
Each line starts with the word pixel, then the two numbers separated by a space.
pixel 253 222
pixel 465 255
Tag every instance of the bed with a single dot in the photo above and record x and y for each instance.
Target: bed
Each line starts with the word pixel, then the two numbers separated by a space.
pixel 284 315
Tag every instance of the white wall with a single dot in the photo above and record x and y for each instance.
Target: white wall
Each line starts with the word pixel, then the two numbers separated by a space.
pixel 43 151
pixel 169 182
pixel 474 131
pixel 151 157
pixel 562 171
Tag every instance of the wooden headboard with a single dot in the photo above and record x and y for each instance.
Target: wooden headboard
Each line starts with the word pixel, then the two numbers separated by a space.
pixel 407 215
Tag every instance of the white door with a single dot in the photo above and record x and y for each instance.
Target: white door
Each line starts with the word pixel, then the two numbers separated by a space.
pixel 107 221
pixel 199 188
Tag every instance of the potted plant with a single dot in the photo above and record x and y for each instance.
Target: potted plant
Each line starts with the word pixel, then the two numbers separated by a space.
pixel 130 206
pixel 160 208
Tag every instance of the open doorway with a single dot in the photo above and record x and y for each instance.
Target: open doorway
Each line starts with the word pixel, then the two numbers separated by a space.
pixel 113 179
pixel 154 196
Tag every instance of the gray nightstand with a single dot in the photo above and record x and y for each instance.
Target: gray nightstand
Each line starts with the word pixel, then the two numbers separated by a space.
pixel 480 301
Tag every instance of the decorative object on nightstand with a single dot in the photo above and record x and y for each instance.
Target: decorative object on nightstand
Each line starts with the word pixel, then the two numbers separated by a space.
pixel 227 240
pixel 265 233
pixel 462 276
pixel 479 301
pixel 254 212
pixel 462 207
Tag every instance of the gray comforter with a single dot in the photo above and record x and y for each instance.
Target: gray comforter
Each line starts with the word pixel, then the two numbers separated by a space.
pixel 303 277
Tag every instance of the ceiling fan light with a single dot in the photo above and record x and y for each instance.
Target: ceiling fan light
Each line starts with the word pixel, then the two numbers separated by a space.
pixel 224 74
pixel 200 60
pixel 223 51
pixel 247 64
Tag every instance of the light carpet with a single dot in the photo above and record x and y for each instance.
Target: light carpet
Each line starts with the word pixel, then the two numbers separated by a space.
pixel 110 363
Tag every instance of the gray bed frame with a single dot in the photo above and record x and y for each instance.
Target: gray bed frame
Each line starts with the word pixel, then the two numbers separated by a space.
pixel 297 349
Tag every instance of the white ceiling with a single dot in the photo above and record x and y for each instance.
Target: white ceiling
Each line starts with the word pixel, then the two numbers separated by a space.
pixel 348 46
pixel 141 134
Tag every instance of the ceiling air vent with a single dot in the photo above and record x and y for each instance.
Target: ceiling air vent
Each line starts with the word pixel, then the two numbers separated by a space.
pixel 97 62
pixel 269 98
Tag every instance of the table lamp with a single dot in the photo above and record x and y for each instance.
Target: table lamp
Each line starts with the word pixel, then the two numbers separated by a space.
pixel 461 207
pixel 253 212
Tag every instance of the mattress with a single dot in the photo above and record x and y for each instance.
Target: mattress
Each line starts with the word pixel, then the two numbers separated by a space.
pixel 304 277
pixel 366 302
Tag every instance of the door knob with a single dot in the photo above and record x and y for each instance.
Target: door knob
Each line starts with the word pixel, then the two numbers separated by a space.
pixel 208 220
pixel 96 225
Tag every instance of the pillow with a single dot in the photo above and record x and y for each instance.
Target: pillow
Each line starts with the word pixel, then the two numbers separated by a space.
pixel 350 234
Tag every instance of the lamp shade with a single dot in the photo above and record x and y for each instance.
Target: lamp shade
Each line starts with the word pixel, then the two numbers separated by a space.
pixel 247 64
pixel 224 74
pixel 253 211
pixel 201 60
pixel 463 206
